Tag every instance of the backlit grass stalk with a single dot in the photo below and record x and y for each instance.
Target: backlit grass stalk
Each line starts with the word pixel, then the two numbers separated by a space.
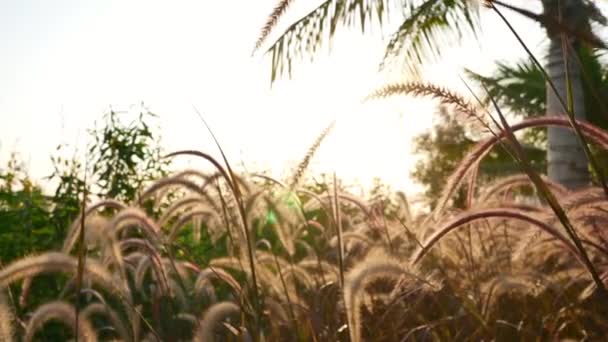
pixel 481 149
pixel 546 193
pixel 7 320
pixel 63 312
pixel 444 95
pixel 484 214
pixel 82 254
pixel 303 165
pixel 238 197
pixel 338 222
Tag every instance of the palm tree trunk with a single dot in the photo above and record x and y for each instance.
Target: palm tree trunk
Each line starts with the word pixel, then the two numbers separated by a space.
pixel 566 160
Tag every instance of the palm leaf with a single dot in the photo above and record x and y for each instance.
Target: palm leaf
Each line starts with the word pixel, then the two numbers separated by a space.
pixel 427 24
pixel 306 35
pixel 418 37
pixel 519 87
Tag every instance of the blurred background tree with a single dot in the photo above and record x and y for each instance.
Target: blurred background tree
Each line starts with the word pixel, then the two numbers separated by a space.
pixel 123 156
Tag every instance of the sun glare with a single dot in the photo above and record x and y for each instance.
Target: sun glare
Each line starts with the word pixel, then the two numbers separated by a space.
pixel 66 63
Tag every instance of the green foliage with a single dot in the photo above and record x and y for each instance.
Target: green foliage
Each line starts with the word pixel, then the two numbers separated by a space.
pixel 443 148
pixel 425 24
pixel 520 88
pixel 24 215
pixel 124 156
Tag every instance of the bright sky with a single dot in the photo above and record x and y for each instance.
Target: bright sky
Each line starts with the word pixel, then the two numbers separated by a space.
pixel 63 63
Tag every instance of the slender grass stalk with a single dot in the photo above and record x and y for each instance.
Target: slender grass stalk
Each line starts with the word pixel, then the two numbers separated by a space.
pixel 234 186
pixel 338 222
pixel 82 254
pixel 476 215
pixel 303 165
pixel 546 193
pixel 481 149
pixel 284 285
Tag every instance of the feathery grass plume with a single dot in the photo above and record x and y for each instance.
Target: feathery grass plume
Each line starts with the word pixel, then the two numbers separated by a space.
pixel 266 279
pixel 161 193
pixel 271 22
pixel 230 178
pixel 190 318
pixel 128 217
pixel 212 318
pixel 152 256
pixel 276 311
pixel 204 276
pixel 288 269
pixel 142 270
pixel 524 244
pixel 25 291
pixel 95 227
pixel 404 207
pixel 171 182
pixel 583 197
pixel 472 183
pixel 505 213
pixel 178 293
pixel 187 218
pixel 184 203
pixel 308 249
pixel 193 173
pixel 72 235
pixel 183 269
pixel 459 174
pixel 524 283
pixel 324 268
pixel 7 318
pixel 301 168
pixel 197 225
pixel 302 231
pixel 596 135
pixel 335 207
pixel 542 188
pixel 52 262
pixel 283 218
pixel 236 179
pixel 371 269
pixel 104 310
pixel 359 236
pixel 444 95
pixel 269 179
pixel 507 183
pixel 63 312
pixel 358 202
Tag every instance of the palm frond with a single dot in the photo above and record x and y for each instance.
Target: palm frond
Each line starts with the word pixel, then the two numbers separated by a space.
pixel 428 24
pixel 419 36
pixel 306 35
pixel 519 87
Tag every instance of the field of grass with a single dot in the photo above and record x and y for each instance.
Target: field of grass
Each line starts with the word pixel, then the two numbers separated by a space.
pixel 223 256
pixel 286 262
